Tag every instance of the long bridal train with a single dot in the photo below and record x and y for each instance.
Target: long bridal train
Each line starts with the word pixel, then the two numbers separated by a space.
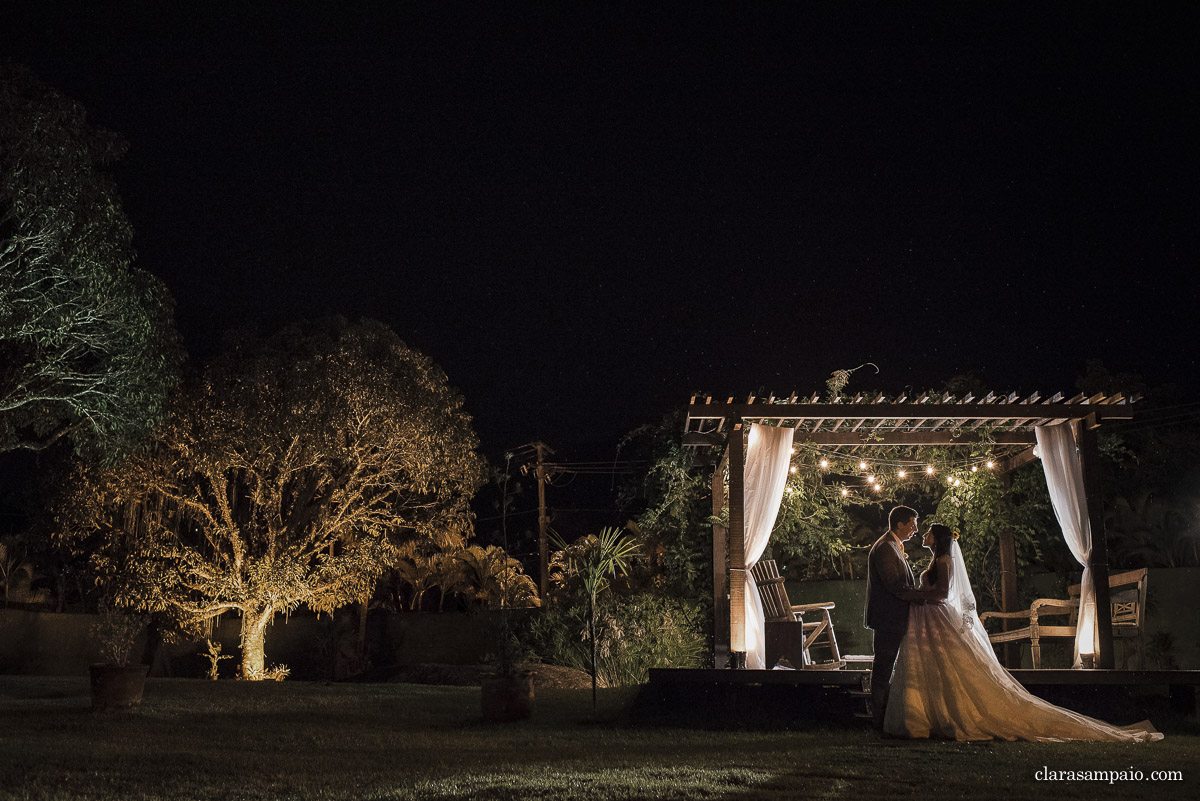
pixel 948 683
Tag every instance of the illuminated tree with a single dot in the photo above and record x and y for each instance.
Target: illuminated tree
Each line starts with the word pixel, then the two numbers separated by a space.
pixel 88 350
pixel 293 473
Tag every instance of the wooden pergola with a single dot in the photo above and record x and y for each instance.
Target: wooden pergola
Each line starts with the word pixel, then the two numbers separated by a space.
pixel 1005 422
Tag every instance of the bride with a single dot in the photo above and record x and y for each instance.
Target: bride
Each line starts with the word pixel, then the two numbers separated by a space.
pixel 948 682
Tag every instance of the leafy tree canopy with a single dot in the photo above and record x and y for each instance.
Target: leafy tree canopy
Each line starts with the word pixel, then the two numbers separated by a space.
pixel 292 472
pixel 88 349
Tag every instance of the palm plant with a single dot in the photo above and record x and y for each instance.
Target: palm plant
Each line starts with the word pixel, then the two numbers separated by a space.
pixel 16 574
pixel 594 560
pixel 415 570
pixel 446 572
pixel 496 579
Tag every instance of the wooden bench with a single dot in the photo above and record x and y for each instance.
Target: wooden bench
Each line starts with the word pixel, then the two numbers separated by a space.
pixel 1127 597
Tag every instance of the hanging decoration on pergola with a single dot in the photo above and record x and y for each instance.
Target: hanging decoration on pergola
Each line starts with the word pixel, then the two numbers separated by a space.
pixel 757 438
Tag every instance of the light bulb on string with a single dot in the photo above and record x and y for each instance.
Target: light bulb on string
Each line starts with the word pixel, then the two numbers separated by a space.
pixel 862 465
pixel 845 492
pixel 990 464
pixel 901 473
pixel 929 470
pixel 870 479
pixel 824 464
pixel 792 469
pixel 974 468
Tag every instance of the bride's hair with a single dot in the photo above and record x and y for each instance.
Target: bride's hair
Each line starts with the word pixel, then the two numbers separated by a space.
pixel 942 538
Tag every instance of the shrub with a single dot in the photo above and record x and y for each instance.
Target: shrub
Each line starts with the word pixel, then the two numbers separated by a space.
pixel 634 634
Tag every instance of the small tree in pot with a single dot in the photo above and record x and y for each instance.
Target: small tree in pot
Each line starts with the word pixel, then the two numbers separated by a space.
pixel 117 685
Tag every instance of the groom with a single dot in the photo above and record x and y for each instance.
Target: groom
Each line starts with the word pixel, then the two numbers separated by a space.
pixel 888 579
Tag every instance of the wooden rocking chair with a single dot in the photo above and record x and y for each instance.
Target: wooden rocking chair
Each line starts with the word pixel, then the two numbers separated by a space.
pixel 788 634
pixel 1127 597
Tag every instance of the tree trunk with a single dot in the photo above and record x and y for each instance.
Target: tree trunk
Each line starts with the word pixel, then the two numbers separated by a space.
pixel 592 638
pixel 254 636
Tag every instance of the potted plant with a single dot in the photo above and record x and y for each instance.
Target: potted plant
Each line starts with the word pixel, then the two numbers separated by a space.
pixel 117 685
pixel 507 694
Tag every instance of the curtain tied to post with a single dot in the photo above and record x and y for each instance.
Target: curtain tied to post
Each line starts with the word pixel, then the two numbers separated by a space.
pixel 768 457
pixel 1064 479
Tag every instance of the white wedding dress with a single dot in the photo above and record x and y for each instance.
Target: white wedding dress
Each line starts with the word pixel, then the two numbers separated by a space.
pixel 948 682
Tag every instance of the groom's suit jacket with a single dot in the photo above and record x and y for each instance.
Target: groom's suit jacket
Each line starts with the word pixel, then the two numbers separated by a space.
pixel 888 573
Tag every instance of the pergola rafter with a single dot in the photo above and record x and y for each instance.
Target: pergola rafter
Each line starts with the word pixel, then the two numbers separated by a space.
pixel 1005 422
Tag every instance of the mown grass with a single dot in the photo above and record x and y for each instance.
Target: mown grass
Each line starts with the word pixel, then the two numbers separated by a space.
pixel 231 740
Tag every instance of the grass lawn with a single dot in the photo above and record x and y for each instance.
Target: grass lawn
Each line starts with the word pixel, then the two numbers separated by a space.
pixel 234 740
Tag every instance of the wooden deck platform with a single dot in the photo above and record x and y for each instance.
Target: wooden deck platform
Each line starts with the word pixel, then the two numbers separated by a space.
pixel 750 698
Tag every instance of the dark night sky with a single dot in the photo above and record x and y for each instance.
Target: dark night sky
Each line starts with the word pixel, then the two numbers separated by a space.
pixel 583 216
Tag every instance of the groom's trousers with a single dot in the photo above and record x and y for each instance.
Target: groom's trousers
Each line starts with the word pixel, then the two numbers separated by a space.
pixel 887 646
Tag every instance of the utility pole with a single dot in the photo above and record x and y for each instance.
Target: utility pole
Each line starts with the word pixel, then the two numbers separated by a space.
pixel 543 521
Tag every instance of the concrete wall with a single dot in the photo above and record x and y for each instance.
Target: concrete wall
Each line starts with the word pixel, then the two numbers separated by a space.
pixel 50 644
pixel 1172 613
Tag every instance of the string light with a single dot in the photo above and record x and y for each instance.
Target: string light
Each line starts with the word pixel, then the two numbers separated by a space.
pixel 902 468
pixel 792 468
pixel 845 492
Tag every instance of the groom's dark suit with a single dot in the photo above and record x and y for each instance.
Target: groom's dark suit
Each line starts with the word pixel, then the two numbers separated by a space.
pixel 888 575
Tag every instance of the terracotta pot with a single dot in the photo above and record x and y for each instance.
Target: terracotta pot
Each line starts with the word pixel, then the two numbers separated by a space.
pixel 117 688
pixel 508 697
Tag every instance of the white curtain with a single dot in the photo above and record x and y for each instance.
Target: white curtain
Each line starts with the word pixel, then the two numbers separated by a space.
pixel 1064 478
pixel 768 457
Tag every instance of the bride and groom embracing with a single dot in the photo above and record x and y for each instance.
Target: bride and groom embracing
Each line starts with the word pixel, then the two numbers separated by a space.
pixel 935 673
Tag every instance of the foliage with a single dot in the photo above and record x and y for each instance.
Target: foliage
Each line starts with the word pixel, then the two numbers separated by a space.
pixel 17 575
pixel 591 563
pixel 674 499
pixel 495 579
pixel 448 574
pixel 117 633
pixel 290 474
pixel 212 652
pixel 415 571
pixel 633 634
pixel 88 349
pixel 273 673
pixel 986 504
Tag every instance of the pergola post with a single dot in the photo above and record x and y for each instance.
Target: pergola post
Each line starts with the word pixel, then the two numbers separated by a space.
pixel 737 546
pixel 720 569
pixel 1089 455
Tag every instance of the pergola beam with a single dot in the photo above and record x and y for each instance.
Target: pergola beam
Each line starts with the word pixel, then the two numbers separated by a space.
pixel 840 438
pixel 909 411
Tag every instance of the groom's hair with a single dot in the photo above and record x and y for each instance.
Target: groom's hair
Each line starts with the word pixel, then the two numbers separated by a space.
pixel 901 514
